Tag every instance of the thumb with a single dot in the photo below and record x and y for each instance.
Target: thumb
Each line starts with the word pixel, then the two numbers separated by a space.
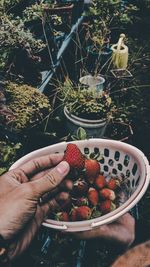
pixel 50 180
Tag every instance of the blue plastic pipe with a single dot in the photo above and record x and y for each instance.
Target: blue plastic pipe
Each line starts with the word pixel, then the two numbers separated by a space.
pixel 62 49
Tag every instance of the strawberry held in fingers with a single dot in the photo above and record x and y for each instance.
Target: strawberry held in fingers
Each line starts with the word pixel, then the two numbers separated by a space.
pixel 107 193
pixel 100 181
pixel 93 196
pixel 74 157
pixel 92 168
pixel 107 206
pixel 83 213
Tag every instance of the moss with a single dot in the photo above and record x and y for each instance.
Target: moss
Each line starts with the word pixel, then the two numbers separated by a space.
pixel 28 105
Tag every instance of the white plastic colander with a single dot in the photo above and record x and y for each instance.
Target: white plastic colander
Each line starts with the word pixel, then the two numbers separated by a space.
pixel 118 158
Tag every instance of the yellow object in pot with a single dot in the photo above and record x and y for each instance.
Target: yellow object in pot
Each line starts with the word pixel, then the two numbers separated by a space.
pixel 120 54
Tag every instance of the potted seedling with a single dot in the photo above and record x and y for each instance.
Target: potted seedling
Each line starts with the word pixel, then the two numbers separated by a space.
pixel 105 16
pixel 98 37
pixel 83 108
pixel 98 50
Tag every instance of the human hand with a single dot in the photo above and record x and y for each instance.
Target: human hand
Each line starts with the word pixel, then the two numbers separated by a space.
pixel 21 189
pixel 122 231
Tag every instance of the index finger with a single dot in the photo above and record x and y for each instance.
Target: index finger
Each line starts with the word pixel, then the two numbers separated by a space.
pixel 39 164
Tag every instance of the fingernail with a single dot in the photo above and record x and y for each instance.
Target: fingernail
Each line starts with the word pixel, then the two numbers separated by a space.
pixel 63 167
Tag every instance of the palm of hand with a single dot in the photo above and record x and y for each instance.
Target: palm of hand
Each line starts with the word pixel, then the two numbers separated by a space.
pixel 29 210
pixel 23 215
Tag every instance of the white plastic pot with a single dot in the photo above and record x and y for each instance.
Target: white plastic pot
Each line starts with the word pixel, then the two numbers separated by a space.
pixel 94 82
pixel 93 128
pixel 118 157
pixel 87 1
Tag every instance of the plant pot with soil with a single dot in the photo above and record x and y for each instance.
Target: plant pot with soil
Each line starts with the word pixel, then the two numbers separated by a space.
pixel 64 11
pixel 82 108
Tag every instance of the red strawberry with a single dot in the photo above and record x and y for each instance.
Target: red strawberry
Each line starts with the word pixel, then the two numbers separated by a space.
pixel 74 157
pixel 83 213
pixel 80 188
pixel 74 214
pixel 100 181
pixel 113 183
pixel 93 196
pixel 107 193
pixel 107 206
pixel 62 216
pixel 82 201
pixel 92 168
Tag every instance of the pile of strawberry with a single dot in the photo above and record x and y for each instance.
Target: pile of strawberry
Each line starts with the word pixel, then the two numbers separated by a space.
pixel 93 194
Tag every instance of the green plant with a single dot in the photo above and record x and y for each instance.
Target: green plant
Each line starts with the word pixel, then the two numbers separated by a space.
pixel 36 11
pixel 39 11
pixel 14 36
pixel 115 13
pixel 85 103
pixel 8 154
pixel 80 134
pixel 107 15
pixel 7 5
pixel 27 104
pixel 16 41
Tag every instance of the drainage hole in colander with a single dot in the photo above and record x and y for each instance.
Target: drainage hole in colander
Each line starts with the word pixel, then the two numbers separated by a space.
pixel 134 169
pixel 96 150
pixel 102 160
pixel 106 152
pixel 110 162
pixel 117 155
pixel 137 181
pixel 133 183
pixel 105 168
pixel 128 183
pixel 120 167
pixel 86 150
pixel 128 173
pixel 114 171
pixel 126 160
